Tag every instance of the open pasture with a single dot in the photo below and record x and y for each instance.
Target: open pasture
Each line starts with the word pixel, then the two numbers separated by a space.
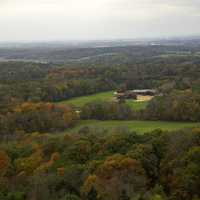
pixel 137 126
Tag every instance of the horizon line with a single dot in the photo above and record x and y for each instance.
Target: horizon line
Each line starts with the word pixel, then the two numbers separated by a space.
pixel 102 39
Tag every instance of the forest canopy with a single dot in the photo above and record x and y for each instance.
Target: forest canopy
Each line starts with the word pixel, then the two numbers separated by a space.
pixel 45 154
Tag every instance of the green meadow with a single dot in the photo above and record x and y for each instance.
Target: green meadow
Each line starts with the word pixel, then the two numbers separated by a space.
pixel 138 126
pixel 81 101
pixel 137 105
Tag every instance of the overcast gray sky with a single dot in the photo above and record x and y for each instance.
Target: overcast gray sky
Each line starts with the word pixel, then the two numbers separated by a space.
pixel 97 19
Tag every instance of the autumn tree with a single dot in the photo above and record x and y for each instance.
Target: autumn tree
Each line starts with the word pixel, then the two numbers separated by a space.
pixel 43 117
pixel 4 163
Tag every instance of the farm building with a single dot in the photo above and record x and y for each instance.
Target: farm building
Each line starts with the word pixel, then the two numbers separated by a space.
pixel 146 92
pixel 133 94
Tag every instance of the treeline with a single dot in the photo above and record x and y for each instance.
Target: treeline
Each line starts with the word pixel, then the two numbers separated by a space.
pixel 102 110
pixel 90 165
pixel 36 117
pixel 174 106
pixel 14 95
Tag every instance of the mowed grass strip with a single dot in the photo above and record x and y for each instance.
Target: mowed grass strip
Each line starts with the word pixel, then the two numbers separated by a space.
pixel 79 102
pixel 137 126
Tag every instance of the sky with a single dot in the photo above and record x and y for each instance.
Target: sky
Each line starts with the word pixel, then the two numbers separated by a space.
pixel 39 20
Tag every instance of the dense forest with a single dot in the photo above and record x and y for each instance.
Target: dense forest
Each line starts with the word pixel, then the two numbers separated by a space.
pixel 40 158
pixel 92 165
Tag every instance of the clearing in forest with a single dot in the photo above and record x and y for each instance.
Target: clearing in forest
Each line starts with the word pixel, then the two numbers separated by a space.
pixel 78 102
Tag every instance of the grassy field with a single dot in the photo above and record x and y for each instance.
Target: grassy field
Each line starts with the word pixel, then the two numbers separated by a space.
pixel 104 96
pixel 137 105
pixel 81 101
pixel 138 126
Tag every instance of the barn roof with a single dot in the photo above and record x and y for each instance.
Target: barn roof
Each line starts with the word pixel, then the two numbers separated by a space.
pixel 144 91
